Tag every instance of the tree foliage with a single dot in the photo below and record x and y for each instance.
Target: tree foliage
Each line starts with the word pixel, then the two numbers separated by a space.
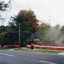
pixel 28 18
pixel 51 35
pixel 28 23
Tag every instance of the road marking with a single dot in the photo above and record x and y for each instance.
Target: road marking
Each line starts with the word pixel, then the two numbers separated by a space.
pixel 47 62
pixel 11 49
pixel 60 53
pixel 6 54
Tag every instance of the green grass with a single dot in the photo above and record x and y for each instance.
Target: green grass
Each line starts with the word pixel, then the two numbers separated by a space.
pixel 40 50
pixel 47 50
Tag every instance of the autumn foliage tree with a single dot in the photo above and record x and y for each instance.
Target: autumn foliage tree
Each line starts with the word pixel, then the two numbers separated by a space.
pixel 28 23
pixel 29 17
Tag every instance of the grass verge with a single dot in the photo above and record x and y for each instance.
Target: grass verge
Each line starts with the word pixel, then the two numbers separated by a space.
pixel 40 50
pixel 6 48
pixel 37 50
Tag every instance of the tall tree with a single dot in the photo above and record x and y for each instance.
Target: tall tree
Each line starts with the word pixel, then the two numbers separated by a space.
pixel 28 23
pixel 29 18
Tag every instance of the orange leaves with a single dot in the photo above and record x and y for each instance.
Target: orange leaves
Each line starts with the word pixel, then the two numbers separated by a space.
pixel 44 25
pixel 30 17
pixel 22 11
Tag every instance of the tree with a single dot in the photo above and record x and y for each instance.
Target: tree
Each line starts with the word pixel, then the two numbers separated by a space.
pixel 62 29
pixel 29 18
pixel 8 34
pixel 51 35
pixel 4 7
pixel 33 22
pixel 43 28
pixel 28 23
pixel 11 33
pixel 3 40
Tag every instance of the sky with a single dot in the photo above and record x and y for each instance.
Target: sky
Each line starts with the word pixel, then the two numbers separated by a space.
pixel 50 11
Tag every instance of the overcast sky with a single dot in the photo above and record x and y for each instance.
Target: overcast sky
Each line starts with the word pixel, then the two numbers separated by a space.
pixel 51 11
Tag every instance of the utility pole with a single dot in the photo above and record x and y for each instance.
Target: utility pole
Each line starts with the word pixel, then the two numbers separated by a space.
pixel 19 35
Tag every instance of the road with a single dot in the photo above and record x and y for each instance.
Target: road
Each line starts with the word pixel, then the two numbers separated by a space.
pixel 22 57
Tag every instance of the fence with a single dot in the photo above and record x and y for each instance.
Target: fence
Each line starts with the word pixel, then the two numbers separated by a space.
pixel 46 46
pixel 6 46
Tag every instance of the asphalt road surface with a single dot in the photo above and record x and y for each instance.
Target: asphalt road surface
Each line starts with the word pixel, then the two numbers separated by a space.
pixel 22 57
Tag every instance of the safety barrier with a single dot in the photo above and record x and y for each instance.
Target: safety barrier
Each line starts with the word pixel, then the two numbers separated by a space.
pixel 0 46
pixel 6 46
pixel 46 46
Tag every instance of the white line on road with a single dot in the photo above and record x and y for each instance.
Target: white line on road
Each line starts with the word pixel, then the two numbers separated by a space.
pixel 47 62
pixel 6 54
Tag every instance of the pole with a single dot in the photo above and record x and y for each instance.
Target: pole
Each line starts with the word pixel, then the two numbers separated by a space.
pixel 19 35
pixel 32 44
